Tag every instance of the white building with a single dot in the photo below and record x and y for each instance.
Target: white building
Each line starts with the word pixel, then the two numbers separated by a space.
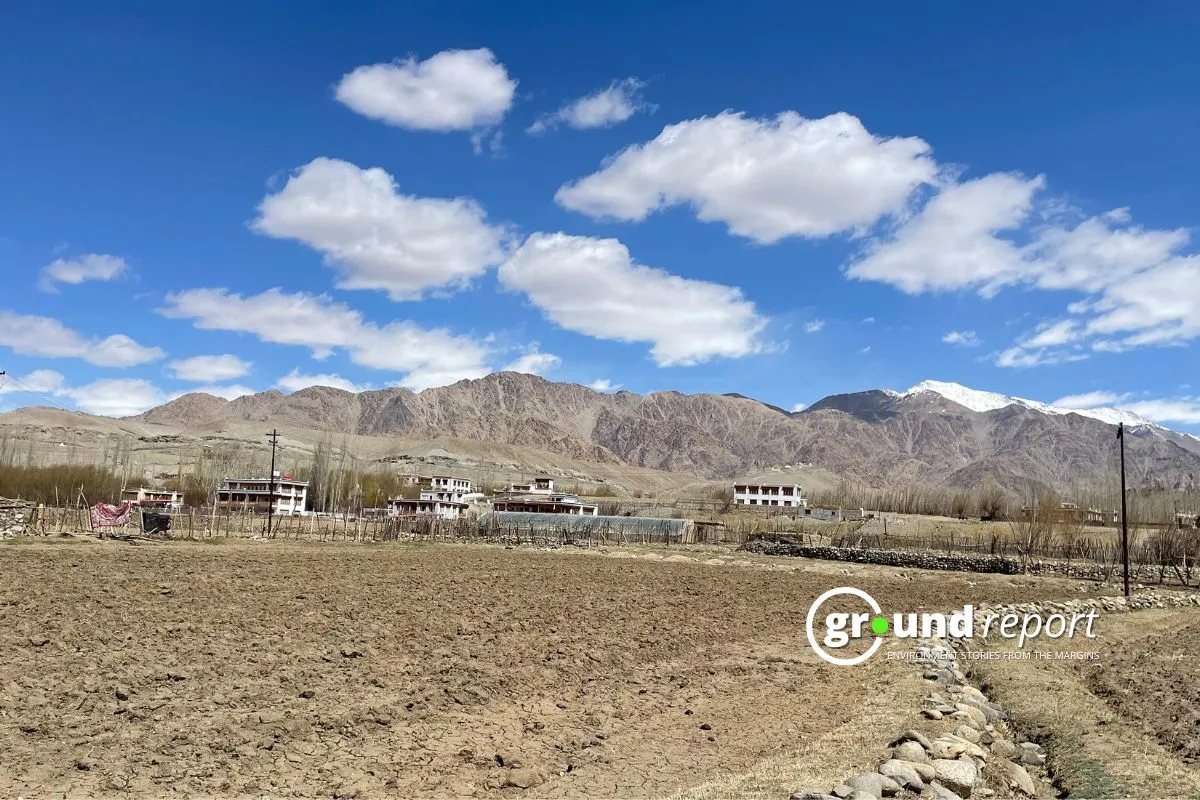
pixel 552 504
pixel 767 494
pixel 446 488
pixel 255 494
pixel 399 507
pixel 538 486
pixel 153 498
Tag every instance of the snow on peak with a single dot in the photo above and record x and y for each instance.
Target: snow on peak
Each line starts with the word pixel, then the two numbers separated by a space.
pixel 977 400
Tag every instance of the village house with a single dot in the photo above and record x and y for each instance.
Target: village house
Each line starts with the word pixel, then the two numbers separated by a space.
pixel 550 504
pixel 446 497
pixel 764 494
pixel 538 486
pixel 826 513
pixel 445 487
pixel 288 497
pixel 143 497
pixel 402 508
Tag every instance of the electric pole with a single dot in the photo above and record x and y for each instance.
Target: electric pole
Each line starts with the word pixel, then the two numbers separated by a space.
pixel 1124 520
pixel 274 434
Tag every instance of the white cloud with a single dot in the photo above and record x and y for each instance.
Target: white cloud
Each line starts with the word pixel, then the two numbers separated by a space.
pixel 600 109
pixel 984 235
pixel 378 238
pixel 229 392
pixel 117 397
pixel 868 320
pixel 962 338
pixel 534 362
pixel 1054 334
pixel 766 179
pixel 39 381
pixel 454 90
pixel 427 357
pixel 209 368
pixel 1184 409
pixel 603 385
pixel 592 286
pixel 47 337
pixel 90 267
pixel 1160 305
pixel 1097 399
pixel 865 350
pixel 799 407
pixel 1044 346
pixel 294 381
pixel 814 325
pixel 952 242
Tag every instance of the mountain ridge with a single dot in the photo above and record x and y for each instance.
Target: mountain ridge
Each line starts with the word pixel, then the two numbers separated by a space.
pixel 935 432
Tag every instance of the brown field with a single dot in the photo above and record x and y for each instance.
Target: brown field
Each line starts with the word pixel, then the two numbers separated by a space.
pixel 292 669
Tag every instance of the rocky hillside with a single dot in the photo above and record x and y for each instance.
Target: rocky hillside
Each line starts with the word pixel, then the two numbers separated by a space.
pixel 877 437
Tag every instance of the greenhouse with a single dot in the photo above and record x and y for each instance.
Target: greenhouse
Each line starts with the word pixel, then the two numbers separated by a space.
pixel 625 530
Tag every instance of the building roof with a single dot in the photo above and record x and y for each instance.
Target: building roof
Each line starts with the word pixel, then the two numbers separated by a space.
pixel 404 501
pixel 278 481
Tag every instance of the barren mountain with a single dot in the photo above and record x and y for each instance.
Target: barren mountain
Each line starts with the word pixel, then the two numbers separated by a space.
pixel 925 435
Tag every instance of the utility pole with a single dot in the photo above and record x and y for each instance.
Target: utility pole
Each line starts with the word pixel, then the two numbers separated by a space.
pixel 1124 520
pixel 274 434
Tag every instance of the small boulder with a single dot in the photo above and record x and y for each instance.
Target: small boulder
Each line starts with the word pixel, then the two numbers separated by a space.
pixel 911 751
pixel 940 792
pixel 957 776
pixel 911 735
pixel 525 778
pixel 869 782
pixel 968 733
pixel 902 772
pixel 1003 748
pixel 1018 779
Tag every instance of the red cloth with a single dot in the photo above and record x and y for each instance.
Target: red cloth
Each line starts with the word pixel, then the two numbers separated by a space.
pixel 106 516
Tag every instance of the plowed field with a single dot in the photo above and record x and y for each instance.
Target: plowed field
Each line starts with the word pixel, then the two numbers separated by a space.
pixel 340 670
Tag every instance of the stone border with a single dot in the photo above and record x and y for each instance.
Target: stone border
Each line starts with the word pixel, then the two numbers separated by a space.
pixel 918 559
pixel 15 517
pixel 956 764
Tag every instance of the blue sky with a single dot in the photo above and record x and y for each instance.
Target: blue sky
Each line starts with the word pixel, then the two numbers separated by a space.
pixel 772 199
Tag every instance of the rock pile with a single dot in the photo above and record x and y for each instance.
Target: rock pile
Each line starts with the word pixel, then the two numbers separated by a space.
pixel 15 517
pixel 975 749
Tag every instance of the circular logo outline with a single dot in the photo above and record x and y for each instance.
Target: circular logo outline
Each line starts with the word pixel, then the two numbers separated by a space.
pixel 812 639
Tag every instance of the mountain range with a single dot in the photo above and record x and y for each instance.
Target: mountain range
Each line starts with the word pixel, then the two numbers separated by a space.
pixel 934 433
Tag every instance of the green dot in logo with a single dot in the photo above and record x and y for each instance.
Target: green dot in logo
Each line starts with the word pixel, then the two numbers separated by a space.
pixel 879 625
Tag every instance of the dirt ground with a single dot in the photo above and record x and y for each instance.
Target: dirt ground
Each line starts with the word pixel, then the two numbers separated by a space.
pixel 265 668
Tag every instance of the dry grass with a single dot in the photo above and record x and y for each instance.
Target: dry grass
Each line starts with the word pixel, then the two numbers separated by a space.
pixel 1095 752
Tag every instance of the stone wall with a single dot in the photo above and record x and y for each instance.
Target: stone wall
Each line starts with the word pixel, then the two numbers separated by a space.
pixel 927 559
pixel 890 558
pixel 15 517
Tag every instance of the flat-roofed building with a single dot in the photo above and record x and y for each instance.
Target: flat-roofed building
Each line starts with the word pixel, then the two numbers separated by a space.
pixel 769 494
pixel 551 504
pixel 256 494
pixel 403 508
pixel 144 497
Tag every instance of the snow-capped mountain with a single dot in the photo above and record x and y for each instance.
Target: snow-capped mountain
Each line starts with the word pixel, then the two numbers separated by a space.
pixel 977 400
